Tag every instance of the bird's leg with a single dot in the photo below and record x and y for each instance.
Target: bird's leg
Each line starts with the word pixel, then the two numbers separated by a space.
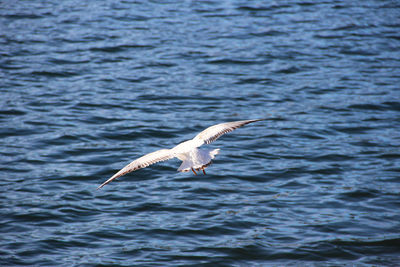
pixel 194 172
pixel 203 171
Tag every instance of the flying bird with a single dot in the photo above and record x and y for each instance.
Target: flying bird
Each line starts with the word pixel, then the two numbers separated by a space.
pixel 192 157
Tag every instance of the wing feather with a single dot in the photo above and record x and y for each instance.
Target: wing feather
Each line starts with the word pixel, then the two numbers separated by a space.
pixel 212 133
pixel 142 162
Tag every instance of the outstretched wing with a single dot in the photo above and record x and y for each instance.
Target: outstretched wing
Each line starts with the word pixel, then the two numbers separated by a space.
pixel 214 132
pixel 142 162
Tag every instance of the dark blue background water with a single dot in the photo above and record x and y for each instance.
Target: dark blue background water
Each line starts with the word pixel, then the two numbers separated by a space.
pixel 88 86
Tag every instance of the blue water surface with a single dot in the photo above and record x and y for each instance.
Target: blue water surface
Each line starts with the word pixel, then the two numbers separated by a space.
pixel 88 86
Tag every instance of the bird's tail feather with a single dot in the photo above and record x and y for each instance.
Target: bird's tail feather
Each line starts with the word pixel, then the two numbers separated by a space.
pixel 199 159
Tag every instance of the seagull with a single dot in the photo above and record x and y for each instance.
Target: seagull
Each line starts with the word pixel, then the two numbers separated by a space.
pixel 192 158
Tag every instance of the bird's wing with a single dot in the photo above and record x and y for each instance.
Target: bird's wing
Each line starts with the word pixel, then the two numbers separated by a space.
pixel 214 132
pixel 142 162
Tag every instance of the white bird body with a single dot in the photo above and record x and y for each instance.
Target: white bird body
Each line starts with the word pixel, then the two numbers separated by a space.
pixel 185 147
pixel 192 157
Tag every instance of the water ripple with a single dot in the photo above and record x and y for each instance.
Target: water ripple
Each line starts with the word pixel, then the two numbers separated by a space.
pixel 88 87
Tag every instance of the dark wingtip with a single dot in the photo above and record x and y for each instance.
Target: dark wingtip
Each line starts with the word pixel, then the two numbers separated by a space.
pixel 100 186
pixel 255 120
pixel 103 184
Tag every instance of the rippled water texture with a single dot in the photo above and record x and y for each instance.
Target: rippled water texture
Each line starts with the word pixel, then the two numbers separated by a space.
pixel 88 86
